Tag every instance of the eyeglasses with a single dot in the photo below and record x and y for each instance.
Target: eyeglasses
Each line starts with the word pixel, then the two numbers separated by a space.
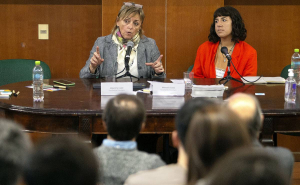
pixel 133 4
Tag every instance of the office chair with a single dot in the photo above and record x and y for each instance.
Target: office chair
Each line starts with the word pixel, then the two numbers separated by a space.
pixel 284 72
pixel 18 70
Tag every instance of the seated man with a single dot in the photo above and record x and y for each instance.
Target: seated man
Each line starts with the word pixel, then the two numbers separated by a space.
pixel 62 161
pixel 124 116
pixel 248 108
pixel 14 147
pixel 173 173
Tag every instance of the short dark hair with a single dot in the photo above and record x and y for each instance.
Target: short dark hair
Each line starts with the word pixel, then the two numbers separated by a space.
pixel 248 166
pixel 14 147
pixel 62 161
pixel 213 132
pixel 185 114
pixel 239 32
pixel 124 116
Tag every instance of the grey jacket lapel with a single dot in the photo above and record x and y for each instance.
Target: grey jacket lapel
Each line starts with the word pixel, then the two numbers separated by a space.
pixel 113 50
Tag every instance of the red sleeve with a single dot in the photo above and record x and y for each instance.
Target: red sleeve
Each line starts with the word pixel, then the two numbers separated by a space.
pixel 251 66
pixel 198 73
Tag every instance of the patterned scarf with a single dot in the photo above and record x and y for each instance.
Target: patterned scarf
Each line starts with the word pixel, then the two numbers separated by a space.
pixel 122 41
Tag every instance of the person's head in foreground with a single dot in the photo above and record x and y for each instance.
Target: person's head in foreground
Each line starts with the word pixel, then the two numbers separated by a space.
pixel 248 109
pixel 14 147
pixel 183 120
pixel 247 166
pixel 213 132
pixel 61 161
pixel 227 23
pixel 124 116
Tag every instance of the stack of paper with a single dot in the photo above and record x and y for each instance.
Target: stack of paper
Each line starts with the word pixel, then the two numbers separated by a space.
pixel 5 94
pixel 264 80
pixel 207 90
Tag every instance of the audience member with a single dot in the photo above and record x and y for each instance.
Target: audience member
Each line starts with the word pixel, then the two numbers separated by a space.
pixel 248 108
pixel 247 167
pixel 14 147
pixel 61 161
pixel 124 116
pixel 213 132
pixel 174 173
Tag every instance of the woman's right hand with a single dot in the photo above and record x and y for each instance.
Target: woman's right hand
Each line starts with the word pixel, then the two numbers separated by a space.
pixel 96 60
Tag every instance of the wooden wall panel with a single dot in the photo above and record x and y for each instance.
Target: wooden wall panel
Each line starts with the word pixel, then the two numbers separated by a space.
pixel 72 32
pixel 178 27
pixel 154 23
pixel 188 24
pixel 274 32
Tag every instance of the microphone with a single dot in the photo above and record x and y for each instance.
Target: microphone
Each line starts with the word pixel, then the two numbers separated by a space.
pixel 127 56
pixel 130 44
pixel 224 50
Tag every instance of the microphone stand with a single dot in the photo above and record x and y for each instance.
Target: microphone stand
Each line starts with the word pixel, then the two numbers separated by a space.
pixel 229 77
pixel 127 70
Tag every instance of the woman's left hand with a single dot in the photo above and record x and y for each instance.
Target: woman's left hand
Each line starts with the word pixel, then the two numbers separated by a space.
pixel 157 65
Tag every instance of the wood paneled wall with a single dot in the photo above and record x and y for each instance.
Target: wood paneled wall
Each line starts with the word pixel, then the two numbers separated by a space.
pixel 178 27
pixel 188 24
pixel 273 30
pixel 73 28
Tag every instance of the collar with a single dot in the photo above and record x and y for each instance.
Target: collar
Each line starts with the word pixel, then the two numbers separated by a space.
pixel 127 145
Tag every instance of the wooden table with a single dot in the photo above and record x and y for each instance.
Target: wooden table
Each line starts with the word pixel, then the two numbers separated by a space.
pixel 79 110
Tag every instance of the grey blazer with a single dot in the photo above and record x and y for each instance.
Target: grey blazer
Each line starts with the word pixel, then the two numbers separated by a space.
pixel 147 52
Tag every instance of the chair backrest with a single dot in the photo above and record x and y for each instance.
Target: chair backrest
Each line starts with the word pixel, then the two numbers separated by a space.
pixel 190 68
pixel 284 72
pixel 18 70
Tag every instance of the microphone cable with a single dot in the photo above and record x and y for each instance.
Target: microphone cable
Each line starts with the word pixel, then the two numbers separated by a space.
pixel 242 76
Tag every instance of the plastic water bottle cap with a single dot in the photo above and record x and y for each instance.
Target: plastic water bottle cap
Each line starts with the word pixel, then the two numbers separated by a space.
pixel 37 63
pixel 291 72
pixel 296 50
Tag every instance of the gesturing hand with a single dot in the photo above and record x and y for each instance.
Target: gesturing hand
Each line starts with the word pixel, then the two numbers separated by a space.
pixel 157 65
pixel 96 60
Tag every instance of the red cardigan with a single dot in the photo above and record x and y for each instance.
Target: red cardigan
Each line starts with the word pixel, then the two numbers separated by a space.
pixel 244 58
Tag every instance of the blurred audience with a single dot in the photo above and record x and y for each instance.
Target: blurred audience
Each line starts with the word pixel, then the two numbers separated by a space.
pixel 173 173
pixel 213 132
pixel 247 167
pixel 14 148
pixel 124 116
pixel 247 108
pixel 61 161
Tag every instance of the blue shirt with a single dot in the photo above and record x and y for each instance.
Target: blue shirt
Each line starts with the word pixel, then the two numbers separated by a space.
pixel 127 145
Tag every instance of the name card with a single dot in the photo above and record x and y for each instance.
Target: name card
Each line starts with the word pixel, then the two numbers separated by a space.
pixel 104 100
pixel 167 102
pixel 115 88
pixel 168 89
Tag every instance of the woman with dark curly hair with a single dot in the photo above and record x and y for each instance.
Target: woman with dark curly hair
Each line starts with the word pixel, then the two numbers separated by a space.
pixel 227 30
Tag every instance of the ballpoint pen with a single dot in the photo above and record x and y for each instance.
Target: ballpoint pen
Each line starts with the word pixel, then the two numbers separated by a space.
pixel 60 86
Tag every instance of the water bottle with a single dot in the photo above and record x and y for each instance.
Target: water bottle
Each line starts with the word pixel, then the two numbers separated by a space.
pixel 37 79
pixel 290 88
pixel 295 65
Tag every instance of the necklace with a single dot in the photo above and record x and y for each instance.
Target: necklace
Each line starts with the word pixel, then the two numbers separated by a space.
pixel 230 51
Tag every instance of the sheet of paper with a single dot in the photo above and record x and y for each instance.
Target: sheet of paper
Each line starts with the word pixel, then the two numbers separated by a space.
pixel 207 90
pixel 168 89
pixel 115 88
pixel 264 80
pixel 177 81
